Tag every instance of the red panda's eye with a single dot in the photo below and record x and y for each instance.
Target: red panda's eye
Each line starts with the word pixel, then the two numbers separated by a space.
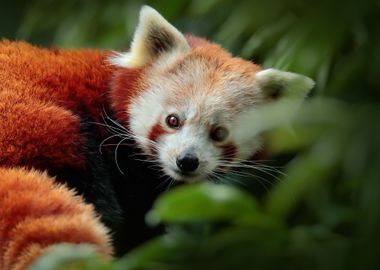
pixel 219 134
pixel 172 121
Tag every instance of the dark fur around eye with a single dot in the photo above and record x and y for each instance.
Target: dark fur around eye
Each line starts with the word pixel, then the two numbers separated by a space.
pixel 219 134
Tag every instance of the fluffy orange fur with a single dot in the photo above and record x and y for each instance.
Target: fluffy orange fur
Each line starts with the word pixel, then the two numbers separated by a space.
pixel 36 213
pixel 41 93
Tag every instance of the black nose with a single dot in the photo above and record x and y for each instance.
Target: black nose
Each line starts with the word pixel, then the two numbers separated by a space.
pixel 187 162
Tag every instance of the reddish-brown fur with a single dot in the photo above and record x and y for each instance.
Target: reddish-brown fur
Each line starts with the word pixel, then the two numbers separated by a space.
pixel 229 151
pixel 36 213
pixel 125 87
pixel 41 93
pixel 156 132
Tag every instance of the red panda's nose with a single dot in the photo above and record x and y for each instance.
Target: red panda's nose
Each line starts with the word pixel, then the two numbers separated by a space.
pixel 187 162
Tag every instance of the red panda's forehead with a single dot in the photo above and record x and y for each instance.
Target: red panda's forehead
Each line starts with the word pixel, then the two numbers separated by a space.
pixel 217 63
pixel 209 107
pixel 212 52
pixel 211 81
pixel 205 84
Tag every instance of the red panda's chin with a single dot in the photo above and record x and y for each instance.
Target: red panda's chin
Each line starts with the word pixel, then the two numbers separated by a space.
pixel 176 175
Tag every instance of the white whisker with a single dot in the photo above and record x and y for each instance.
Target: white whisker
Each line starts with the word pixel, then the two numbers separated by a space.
pixel 108 138
pixel 117 163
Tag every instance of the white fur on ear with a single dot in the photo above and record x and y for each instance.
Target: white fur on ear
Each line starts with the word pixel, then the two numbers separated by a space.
pixel 284 92
pixel 154 35
pixel 277 84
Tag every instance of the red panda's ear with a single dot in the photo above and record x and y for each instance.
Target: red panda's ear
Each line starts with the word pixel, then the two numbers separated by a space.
pixel 283 94
pixel 153 36
pixel 276 84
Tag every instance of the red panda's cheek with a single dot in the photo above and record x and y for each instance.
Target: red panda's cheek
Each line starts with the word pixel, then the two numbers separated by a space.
pixel 154 134
pixel 229 151
pixel 125 87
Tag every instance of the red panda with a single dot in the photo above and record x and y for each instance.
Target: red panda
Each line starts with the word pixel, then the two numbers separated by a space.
pixel 183 104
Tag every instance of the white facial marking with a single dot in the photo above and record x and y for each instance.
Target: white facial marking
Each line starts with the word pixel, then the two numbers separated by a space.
pixel 193 140
pixel 145 112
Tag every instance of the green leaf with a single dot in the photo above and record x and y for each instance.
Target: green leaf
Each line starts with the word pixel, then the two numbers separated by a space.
pixel 71 257
pixel 202 202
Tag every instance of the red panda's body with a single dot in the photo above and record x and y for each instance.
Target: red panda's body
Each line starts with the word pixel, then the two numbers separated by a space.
pixel 52 103
pixel 85 118
pixel 42 93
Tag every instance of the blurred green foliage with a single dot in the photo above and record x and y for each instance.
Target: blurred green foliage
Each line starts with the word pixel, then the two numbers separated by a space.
pixel 322 211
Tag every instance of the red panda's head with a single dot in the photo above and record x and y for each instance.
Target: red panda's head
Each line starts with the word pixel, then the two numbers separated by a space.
pixel 191 105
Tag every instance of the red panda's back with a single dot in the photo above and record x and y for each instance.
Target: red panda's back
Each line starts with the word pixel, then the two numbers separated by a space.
pixel 43 95
pixel 74 79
